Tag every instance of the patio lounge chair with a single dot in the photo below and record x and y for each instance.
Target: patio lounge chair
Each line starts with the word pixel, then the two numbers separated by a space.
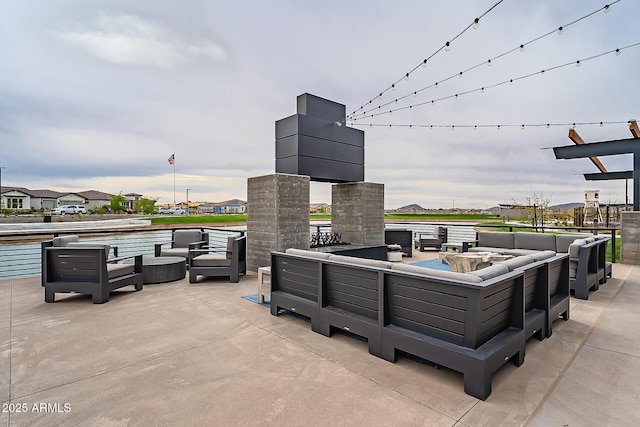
pixel 86 270
pixel 65 241
pixel 230 261
pixel 181 241
pixel 428 240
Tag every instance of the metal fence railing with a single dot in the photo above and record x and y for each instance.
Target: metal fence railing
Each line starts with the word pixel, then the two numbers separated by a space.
pixel 19 259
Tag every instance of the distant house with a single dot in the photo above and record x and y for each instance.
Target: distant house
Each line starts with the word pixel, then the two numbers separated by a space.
pixel 71 199
pixel 131 200
pixel 234 206
pixel 15 198
pixel 44 200
pixel 93 199
pixel 319 208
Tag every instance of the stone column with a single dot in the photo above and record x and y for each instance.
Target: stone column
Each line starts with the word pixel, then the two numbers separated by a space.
pixel 630 238
pixel 357 211
pixel 277 216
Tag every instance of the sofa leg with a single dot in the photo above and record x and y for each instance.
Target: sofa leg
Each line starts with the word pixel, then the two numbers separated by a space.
pixel 477 383
pixel 49 295
pixel 98 298
pixel 193 277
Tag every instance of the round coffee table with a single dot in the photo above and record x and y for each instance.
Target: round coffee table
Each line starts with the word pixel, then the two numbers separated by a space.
pixel 163 269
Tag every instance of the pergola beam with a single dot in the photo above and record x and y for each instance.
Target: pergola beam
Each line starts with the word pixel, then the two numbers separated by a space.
pixel 606 176
pixel 604 148
pixel 573 135
pixel 633 127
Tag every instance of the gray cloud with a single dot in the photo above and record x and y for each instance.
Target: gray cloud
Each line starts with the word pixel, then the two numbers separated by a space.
pixel 98 94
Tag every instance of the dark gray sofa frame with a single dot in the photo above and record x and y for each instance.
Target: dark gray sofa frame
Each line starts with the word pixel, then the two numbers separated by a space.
pixel 471 328
pixel 547 294
pixel 84 270
pixel 588 274
pixel 592 267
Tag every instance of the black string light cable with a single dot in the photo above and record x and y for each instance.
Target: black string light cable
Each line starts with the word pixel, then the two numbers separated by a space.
pixel 482 89
pixel 445 46
pixel 497 126
pixel 492 60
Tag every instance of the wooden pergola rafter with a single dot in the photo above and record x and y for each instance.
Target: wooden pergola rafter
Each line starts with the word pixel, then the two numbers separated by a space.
pixel 607 148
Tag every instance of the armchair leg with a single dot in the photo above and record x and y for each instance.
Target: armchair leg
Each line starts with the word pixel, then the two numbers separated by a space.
pixel 49 295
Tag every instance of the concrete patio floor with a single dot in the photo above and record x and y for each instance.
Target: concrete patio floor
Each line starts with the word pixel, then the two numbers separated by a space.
pixel 199 354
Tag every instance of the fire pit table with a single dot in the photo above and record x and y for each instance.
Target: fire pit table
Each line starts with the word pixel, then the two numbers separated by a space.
pixel 471 261
pixel 163 269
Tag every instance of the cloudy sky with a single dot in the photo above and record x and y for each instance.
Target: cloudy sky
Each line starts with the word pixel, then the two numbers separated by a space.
pixel 97 94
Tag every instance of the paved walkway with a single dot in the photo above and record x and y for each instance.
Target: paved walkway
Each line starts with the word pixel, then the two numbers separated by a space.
pixel 199 354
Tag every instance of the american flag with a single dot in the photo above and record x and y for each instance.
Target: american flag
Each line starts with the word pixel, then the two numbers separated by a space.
pixel 172 159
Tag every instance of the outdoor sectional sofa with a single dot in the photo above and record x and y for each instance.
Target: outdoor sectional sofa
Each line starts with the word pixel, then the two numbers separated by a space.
pixel 587 253
pixel 470 322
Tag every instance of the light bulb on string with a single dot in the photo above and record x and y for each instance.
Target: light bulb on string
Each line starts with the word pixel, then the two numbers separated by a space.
pixel 481 90
pixel 618 52
pixel 475 127
pixel 548 125
pixel 447 46
pixel 406 76
pixel 424 63
pixel 522 127
pixel 489 62
pixel 393 86
pixel 415 93
pixel 511 81
pixel 522 48
pixel 460 74
pixel 436 85
pixel 606 8
pixel 578 63
pixel 498 127
pixel 560 30
pixel 476 23
pixel 601 124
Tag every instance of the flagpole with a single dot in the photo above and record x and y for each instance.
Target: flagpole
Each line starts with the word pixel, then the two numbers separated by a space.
pixel 174 181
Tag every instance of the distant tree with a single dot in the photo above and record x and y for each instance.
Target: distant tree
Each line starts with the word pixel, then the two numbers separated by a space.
pixel 118 203
pixel 146 206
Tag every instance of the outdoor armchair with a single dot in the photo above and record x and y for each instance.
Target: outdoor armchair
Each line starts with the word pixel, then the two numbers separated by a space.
pixel 66 241
pixel 180 243
pixel 86 270
pixel 227 262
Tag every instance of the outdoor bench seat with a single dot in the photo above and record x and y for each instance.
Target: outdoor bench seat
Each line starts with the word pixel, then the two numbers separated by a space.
pixel 588 266
pixel 470 322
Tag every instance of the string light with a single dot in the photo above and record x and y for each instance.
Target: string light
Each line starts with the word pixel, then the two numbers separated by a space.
pixel 560 30
pixel 571 125
pixel 446 46
pixel 520 47
pixel 476 23
pixel 484 88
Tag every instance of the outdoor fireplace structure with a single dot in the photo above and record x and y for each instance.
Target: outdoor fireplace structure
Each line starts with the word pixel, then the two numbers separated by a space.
pixel 312 145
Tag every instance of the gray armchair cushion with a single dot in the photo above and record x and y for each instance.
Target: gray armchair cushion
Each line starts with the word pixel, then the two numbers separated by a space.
pixel 432 272
pixel 183 252
pixel 310 254
pixel 542 255
pixel 574 253
pixel 490 272
pixel 360 261
pixel 182 238
pixel 564 240
pixel 496 239
pixel 517 262
pixel 117 270
pixel 211 260
pixel 64 240
pixel 537 241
